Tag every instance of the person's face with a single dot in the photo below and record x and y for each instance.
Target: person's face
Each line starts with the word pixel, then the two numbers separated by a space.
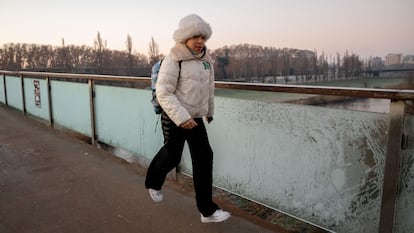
pixel 196 43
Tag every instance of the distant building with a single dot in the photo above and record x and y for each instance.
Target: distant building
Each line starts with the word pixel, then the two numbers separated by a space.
pixel 408 59
pixel 393 59
pixel 302 53
pixel 376 63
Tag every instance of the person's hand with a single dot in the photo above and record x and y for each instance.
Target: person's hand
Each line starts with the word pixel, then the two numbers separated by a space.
pixel 189 124
pixel 209 119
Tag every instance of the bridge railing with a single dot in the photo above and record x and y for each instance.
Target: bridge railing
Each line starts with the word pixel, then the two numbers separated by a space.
pixel 344 171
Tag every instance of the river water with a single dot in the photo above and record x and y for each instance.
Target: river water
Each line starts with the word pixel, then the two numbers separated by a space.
pixel 367 105
pixel 399 80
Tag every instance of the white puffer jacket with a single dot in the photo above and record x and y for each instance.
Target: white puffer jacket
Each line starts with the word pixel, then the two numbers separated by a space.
pixel 193 95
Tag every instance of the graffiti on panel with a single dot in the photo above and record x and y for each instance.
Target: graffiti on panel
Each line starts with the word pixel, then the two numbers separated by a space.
pixel 36 84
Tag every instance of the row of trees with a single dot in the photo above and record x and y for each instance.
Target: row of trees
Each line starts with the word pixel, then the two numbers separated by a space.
pixel 74 59
pixel 257 63
pixel 250 63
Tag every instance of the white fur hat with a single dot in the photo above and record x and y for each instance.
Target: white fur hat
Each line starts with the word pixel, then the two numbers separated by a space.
pixel 192 25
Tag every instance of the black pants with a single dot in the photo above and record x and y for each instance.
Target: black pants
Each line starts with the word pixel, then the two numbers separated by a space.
pixel 169 156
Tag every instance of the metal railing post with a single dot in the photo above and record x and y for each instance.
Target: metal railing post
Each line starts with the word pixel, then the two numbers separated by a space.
pixel 392 167
pixel 49 100
pixel 92 112
pixel 23 95
pixel 5 90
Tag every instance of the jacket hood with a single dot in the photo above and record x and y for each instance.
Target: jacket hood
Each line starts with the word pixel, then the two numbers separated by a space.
pixel 180 52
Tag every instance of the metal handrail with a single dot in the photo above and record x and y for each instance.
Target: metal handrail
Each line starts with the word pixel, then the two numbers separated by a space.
pixel 75 76
pixel 392 94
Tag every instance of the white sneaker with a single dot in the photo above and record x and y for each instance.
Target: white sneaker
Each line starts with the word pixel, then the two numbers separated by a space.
pixel 218 216
pixel 156 195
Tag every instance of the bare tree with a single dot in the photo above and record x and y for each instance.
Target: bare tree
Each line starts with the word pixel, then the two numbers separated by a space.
pixel 129 52
pixel 99 53
pixel 338 64
pixel 323 65
pixel 153 52
pixel 64 57
pixel 286 63
pixel 222 63
pixel 275 63
pixel 129 44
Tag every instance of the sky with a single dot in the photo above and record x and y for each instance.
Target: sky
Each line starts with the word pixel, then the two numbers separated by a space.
pixel 364 27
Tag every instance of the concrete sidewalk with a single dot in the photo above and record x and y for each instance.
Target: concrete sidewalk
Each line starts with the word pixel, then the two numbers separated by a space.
pixel 53 182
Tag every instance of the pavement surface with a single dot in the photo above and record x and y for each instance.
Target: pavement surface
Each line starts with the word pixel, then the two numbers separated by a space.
pixel 51 181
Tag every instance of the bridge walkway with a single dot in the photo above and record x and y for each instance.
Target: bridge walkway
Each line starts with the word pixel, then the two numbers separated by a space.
pixel 53 182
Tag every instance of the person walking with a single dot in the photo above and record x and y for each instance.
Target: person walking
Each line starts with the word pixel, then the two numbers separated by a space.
pixel 185 91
